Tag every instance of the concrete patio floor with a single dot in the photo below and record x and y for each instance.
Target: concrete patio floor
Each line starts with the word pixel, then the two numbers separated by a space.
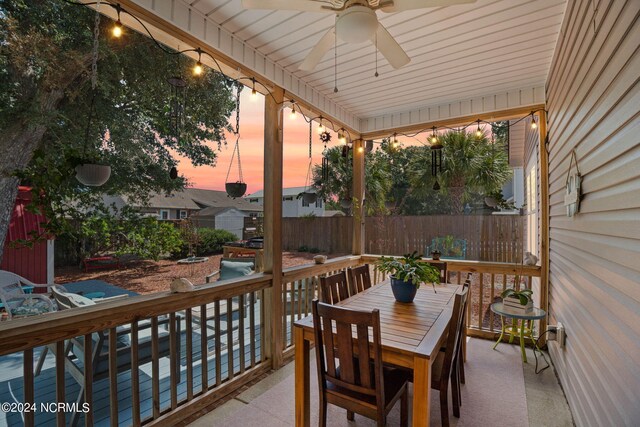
pixel 500 391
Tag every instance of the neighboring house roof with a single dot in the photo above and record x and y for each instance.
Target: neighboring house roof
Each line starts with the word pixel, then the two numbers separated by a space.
pixel 291 191
pixel 215 211
pixel 190 198
pixel 333 213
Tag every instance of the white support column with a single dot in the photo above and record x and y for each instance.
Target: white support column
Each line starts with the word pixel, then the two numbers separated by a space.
pixel 358 197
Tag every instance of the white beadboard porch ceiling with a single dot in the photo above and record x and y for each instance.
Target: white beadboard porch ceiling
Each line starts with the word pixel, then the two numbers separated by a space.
pixel 457 52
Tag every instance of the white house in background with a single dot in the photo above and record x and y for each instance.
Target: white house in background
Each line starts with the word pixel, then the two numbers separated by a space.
pixel 292 206
pixel 221 212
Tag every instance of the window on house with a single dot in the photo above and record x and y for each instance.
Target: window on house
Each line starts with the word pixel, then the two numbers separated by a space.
pixel 284 199
pixel 164 214
pixel 183 214
pixel 319 203
pixel 305 204
pixel 253 200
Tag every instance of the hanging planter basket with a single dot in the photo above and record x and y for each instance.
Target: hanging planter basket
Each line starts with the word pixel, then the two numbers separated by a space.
pixel 235 189
pixel 93 175
pixel 345 203
pixel 309 197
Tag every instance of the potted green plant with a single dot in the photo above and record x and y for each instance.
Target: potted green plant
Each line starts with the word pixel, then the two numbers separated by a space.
pixel 517 300
pixel 407 273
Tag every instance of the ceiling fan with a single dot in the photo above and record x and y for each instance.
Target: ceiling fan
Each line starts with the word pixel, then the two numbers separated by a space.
pixel 356 22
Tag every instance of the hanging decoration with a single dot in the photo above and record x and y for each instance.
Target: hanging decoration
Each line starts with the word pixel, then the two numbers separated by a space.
pixel 177 101
pixel 573 186
pixel 309 195
pixel 88 173
pixel 436 159
pixel 237 188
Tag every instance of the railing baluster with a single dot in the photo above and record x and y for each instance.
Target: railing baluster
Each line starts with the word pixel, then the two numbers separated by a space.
pixel 230 369
pixel 88 379
pixel 493 295
pixel 263 339
pixel 155 368
pixel 189 350
pixel 135 376
pixel 29 392
pixel 113 377
pixel 204 351
pixel 174 354
pixel 218 343
pixel 241 332
pixel 480 300
pixel 252 327
pixel 60 387
pixel 292 306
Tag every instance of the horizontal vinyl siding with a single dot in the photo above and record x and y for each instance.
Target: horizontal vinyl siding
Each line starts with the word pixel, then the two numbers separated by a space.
pixel 593 99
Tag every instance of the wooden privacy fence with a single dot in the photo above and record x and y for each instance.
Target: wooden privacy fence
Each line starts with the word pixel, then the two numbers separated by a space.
pixel 495 238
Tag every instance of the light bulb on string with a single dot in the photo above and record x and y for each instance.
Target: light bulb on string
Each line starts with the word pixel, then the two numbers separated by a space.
pixel 434 138
pixel 117 29
pixel 479 132
pixel 321 128
pixel 395 140
pixel 534 125
pixel 341 137
pixel 360 149
pixel 254 92
pixel 198 69
pixel 293 114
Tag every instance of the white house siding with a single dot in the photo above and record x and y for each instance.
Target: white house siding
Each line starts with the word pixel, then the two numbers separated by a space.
pixel 231 220
pixel 593 101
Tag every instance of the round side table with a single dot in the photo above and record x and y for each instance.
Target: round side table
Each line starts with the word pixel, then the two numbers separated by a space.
pixel 515 329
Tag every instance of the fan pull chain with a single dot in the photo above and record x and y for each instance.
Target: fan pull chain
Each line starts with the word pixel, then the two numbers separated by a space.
pixel 335 56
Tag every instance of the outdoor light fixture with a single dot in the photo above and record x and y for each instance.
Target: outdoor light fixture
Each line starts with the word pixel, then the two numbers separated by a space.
pixel 395 140
pixel 293 115
pixel 360 149
pixel 434 138
pixel 254 93
pixel 478 131
pixel 198 69
pixel 341 137
pixel 534 125
pixel 320 126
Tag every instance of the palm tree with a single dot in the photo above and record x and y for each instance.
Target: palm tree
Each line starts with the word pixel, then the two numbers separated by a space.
pixel 470 164
pixel 339 183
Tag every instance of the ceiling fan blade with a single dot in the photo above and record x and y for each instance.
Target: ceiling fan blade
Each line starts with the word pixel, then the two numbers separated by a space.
pixel 402 5
pixel 390 49
pixel 318 51
pixel 301 5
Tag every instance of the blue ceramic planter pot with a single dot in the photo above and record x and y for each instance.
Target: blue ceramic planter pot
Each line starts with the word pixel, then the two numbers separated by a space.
pixel 403 291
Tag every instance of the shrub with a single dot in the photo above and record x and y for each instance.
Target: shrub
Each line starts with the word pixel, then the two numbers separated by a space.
pixel 314 250
pixel 212 240
pixel 303 248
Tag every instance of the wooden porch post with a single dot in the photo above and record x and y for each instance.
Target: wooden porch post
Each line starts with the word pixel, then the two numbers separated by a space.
pixel 273 224
pixel 544 219
pixel 358 197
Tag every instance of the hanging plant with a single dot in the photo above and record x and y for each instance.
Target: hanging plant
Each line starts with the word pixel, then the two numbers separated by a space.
pixel 89 171
pixel 239 187
pixel 309 195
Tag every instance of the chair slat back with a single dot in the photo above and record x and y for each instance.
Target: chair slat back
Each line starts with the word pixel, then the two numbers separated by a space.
pixel 455 330
pixel 352 365
pixel 442 266
pixel 63 300
pixel 359 279
pixel 334 289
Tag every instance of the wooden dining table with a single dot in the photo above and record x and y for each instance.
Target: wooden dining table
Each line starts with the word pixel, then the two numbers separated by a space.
pixel 412 335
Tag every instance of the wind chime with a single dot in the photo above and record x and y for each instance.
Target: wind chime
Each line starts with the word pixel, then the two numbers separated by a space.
pixel 177 102
pixel 309 196
pixel 87 172
pixel 325 138
pixel 436 158
pixel 239 187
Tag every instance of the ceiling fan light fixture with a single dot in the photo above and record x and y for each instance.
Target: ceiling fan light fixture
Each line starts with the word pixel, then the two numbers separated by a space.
pixel 356 24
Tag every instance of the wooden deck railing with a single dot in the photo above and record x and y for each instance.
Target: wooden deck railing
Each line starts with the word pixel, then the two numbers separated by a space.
pixel 194 347
pixel 212 337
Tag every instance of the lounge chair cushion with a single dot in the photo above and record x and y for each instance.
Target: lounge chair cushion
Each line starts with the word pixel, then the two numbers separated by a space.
pixel 233 270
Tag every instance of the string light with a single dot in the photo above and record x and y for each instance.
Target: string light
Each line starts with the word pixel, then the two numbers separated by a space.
pixel 117 29
pixel 320 126
pixel 395 140
pixel 360 149
pixel 293 115
pixel 534 125
pixel 198 69
pixel 434 138
pixel 254 92
pixel 479 131
pixel 341 137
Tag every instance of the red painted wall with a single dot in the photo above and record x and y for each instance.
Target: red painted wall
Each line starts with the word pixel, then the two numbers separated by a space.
pixel 28 262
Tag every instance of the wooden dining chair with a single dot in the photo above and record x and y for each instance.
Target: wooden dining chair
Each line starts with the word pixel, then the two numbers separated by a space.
pixel 359 278
pixel 463 336
pixel 442 266
pixel 351 374
pixel 334 289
